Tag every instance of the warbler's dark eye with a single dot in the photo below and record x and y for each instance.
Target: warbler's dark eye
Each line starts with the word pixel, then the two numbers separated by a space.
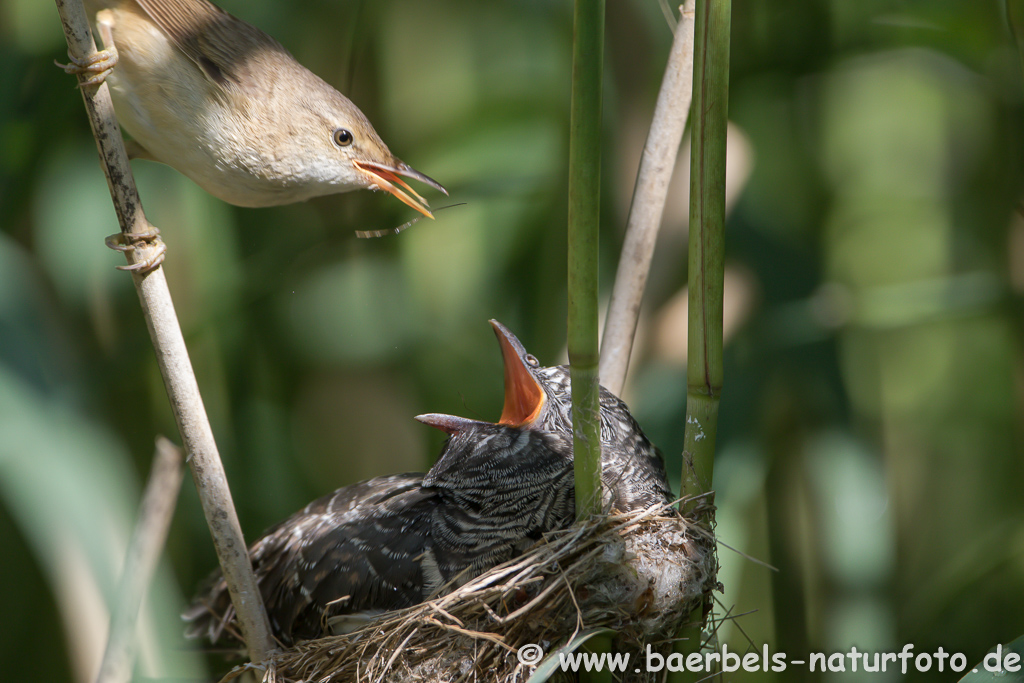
pixel 532 361
pixel 343 137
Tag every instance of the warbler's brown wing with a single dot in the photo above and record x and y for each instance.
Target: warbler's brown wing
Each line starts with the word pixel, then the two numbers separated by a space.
pixel 219 43
pixel 357 549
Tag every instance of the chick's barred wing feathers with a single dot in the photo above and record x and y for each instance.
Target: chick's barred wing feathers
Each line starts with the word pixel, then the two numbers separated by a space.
pixel 219 43
pixel 349 550
pixel 392 542
pixel 502 487
pixel 632 468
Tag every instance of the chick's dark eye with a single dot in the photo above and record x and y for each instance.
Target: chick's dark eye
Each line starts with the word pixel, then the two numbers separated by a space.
pixel 342 137
pixel 532 361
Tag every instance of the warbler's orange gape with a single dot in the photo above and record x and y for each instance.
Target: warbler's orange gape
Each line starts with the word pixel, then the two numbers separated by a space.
pixel 228 106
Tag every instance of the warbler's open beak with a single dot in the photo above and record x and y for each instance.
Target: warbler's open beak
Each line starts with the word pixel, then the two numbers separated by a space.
pixel 524 396
pixel 386 178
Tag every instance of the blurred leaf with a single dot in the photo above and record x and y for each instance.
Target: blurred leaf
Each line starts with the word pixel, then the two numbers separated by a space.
pixel 26 346
pixel 74 216
pixel 354 311
pixel 855 510
pixel 67 483
pixel 202 265
pixel 981 673
pixel 552 662
pixel 33 26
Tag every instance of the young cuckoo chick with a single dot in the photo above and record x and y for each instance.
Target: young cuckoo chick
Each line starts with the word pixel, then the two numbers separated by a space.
pixel 393 541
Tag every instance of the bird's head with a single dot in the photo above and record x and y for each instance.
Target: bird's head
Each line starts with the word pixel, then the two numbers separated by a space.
pixel 356 157
pixel 536 397
pixel 539 399
pixel 482 458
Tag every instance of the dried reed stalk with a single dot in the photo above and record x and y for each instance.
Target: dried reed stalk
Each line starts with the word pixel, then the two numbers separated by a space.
pixel 169 345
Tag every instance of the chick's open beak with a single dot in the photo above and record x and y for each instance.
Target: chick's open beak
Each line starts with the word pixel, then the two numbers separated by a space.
pixel 524 396
pixel 387 178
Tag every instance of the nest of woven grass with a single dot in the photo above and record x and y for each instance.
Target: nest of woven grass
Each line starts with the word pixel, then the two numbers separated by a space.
pixel 640 573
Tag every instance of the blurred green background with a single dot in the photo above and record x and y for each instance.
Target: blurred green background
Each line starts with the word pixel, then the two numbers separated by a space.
pixel 872 424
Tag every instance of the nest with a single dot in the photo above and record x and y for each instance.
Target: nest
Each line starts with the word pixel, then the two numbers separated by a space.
pixel 640 573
